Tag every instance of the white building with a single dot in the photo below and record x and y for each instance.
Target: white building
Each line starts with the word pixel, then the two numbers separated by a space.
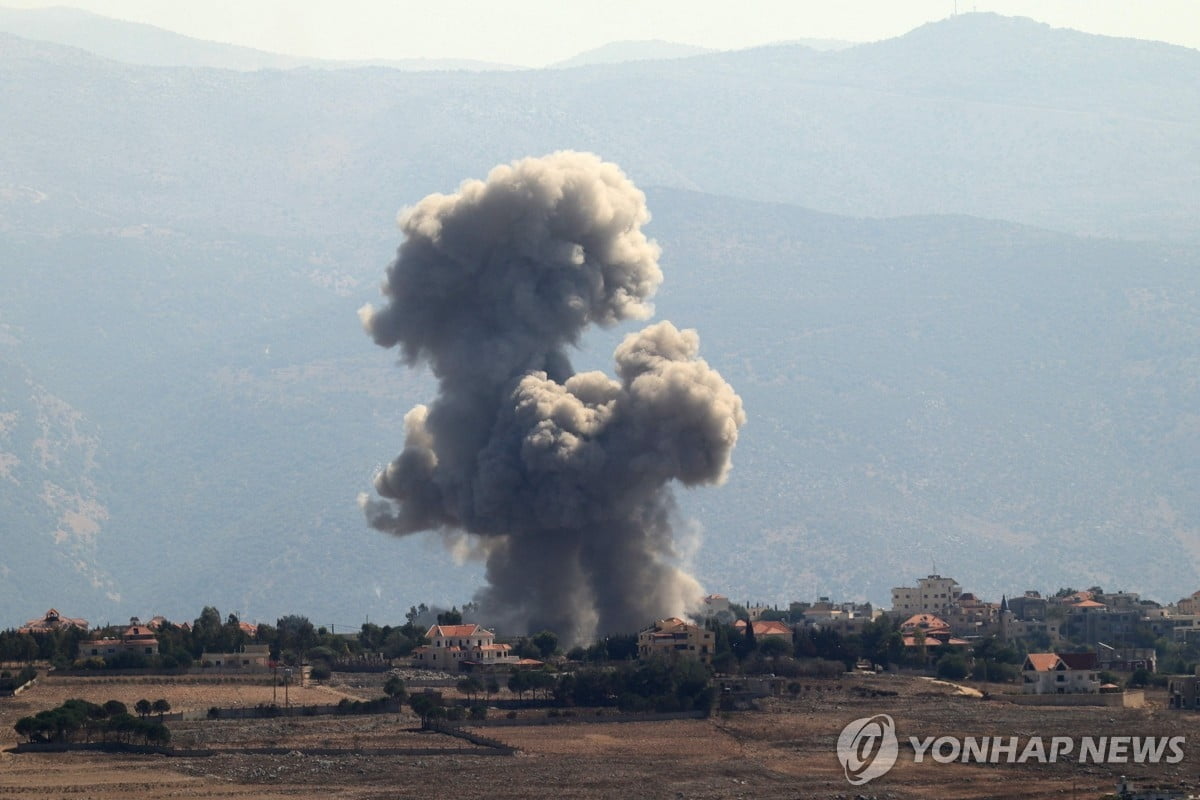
pixel 462 647
pixel 932 595
pixel 718 606
pixel 1060 673
pixel 137 638
pixel 252 657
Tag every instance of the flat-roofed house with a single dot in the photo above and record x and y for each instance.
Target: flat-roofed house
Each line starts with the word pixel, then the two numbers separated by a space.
pixel 676 638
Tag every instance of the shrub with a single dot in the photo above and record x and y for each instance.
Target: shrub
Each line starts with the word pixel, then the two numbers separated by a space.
pixel 952 668
pixel 1139 678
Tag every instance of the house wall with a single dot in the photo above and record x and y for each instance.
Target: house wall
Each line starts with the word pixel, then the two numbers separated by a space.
pixel 1130 699
pixel 932 595
pixel 1068 681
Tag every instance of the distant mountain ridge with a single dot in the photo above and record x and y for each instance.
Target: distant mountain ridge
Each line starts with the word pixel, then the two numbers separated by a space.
pixel 885 129
pixel 184 251
pixel 148 45
pixel 620 52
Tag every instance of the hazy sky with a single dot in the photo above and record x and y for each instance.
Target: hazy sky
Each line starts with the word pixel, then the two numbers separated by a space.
pixel 537 32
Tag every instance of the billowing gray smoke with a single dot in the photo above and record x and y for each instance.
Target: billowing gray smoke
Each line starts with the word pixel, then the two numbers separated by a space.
pixel 563 477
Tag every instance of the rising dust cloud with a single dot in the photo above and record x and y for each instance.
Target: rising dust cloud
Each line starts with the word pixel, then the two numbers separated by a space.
pixel 561 478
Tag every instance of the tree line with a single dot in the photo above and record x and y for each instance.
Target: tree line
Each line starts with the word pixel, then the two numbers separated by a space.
pixel 79 720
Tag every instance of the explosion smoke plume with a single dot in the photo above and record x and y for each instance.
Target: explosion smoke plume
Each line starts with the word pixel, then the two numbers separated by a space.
pixel 562 476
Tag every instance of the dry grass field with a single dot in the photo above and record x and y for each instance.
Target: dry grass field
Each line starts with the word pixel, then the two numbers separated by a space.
pixel 783 750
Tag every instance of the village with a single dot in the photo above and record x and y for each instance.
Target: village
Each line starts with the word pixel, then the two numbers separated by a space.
pixel 213 687
pixel 1055 644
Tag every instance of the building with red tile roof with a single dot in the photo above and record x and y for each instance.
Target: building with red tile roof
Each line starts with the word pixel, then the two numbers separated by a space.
pixel 929 630
pixel 764 627
pixel 136 638
pixel 1060 673
pixel 457 648
pixel 51 622
pixel 929 623
pixel 674 638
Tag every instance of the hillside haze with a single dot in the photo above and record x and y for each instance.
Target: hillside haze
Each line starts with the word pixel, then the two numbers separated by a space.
pixel 951 274
pixel 148 45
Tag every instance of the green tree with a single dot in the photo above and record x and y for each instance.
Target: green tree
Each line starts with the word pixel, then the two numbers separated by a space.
pixel 751 640
pixel 426 706
pixel 919 639
pixel 540 681
pixel 206 631
pixel 27 728
pixel 160 707
pixel 295 633
pixel 518 683
pixel 546 643
pixel 451 617
pixel 725 663
pixel 952 667
pixel 394 688
pixel 621 646
pixel 370 637
pixel 470 686
pixel 143 707
pixel 412 628
pixel 774 646
pixel 397 645
pixel 232 637
pixel 157 733
pixel 720 636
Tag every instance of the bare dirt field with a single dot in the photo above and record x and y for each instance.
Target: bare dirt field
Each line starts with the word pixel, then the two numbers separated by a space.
pixel 784 750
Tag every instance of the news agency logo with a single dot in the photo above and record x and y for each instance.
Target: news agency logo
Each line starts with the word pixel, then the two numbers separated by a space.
pixel 867 748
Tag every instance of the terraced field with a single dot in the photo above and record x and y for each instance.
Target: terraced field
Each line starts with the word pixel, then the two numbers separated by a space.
pixel 786 749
